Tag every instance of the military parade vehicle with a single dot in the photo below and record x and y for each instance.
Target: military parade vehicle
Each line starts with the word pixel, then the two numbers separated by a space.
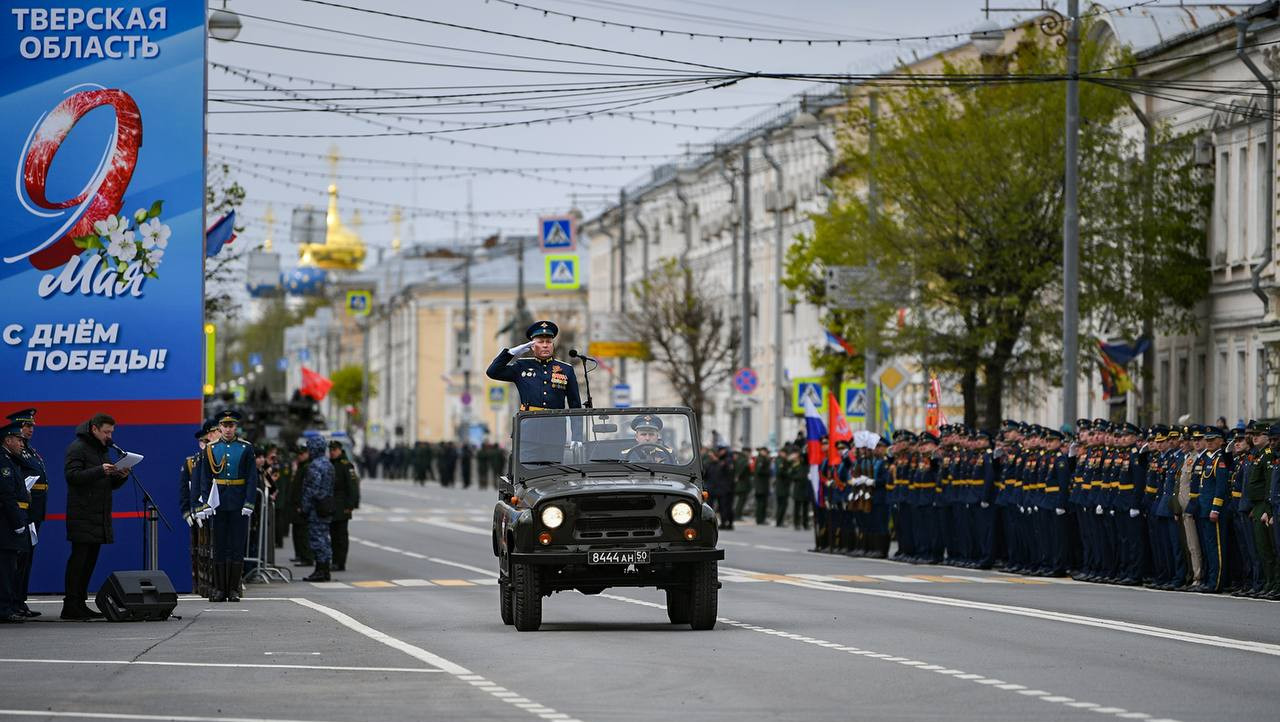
pixel 599 498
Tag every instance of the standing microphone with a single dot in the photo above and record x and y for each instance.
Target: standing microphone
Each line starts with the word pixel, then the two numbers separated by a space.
pixel 586 373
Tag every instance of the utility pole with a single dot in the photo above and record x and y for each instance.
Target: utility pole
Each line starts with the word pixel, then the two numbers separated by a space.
pixel 873 212
pixel 1071 222
pixel 777 291
pixel 622 271
pixel 746 282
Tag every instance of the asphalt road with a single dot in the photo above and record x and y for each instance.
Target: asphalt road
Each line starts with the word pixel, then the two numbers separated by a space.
pixel 412 632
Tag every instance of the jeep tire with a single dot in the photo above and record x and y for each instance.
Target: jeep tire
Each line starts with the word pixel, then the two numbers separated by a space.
pixel 703 595
pixel 526 595
pixel 504 601
pixel 678 606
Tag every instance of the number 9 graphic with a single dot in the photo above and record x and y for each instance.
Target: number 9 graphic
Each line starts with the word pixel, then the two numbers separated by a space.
pixel 103 194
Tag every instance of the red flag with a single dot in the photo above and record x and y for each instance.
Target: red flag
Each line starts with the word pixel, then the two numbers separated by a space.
pixel 840 430
pixel 314 385
pixel 933 416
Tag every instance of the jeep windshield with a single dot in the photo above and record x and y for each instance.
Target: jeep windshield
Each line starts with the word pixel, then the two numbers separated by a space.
pixel 636 439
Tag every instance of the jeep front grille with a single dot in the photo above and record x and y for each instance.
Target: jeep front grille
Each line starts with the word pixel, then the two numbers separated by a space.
pixel 618 527
pixel 628 502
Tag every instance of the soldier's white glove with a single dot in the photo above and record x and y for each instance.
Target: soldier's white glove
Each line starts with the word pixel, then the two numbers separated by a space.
pixel 1098 510
pixel 247 511
pixel 20 530
pixel 521 349
pixel 984 504
pixel 1059 511
pixel 1133 513
pixel 188 519
pixel 199 521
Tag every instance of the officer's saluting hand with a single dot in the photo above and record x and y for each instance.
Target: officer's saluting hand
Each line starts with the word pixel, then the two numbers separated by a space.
pixel 542 381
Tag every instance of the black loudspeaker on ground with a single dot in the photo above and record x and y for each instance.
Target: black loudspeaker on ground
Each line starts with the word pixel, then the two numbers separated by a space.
pixel 143 596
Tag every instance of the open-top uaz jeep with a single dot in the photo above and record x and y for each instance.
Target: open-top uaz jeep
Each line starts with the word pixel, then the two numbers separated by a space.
pixel 598 498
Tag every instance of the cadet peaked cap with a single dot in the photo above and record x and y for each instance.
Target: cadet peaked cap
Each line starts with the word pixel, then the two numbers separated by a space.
pixel 13 428
pixel 206 427
pixel 1083 424
pixel 1128 428
pixel 648 422
pixel 25 416
pixel 1174 432
pixel 542 328
pixel 230 415
pixel 1213 432
pixel 1054 434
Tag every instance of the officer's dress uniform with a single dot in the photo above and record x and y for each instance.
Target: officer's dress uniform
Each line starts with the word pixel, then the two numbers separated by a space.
pixel 542 385
pixel 1215 485
pixel 30 463
pixel 189 503
pixel 229 465
pixel 15 538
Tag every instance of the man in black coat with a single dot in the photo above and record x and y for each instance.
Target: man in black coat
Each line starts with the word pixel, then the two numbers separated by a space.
pixel 15 532
pixel 346 499
pixel 91 478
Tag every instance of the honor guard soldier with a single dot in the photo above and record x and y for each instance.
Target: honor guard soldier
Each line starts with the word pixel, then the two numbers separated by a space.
pixel 15 537
pixel 229 465
pixel 30 463
pixel 189 502
pixel 542 381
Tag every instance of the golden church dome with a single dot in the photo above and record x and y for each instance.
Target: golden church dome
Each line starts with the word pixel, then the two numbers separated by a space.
pixel 343 248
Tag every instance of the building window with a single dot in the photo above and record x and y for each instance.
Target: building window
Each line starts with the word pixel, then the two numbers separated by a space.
pixel 1221 226
pixel 462 350
pixel 1184 388
pixel 1241 244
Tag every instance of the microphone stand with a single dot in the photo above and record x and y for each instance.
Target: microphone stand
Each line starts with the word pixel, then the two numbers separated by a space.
pixel 151 511
pixel 586 374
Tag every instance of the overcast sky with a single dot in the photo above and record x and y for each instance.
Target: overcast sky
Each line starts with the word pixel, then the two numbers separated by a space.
pixel 287 181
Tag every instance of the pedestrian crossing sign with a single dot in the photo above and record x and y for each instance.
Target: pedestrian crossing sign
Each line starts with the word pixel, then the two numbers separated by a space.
pixel 359 303
pixel 556 233
pixel 854 398
pixel 562 272
pixel 497 396
pixel 811 388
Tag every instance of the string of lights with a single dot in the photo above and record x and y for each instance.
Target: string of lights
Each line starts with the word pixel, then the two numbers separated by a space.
pixel 261 150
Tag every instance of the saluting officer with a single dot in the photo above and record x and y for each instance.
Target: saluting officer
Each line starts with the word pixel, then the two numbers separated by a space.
pixel 15 537
pixel 30 463
pixel 229 465
pixel 542 381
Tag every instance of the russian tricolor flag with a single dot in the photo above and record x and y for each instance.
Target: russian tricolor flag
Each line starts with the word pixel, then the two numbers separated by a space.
pixel 814 430
pixel 839 345
pixel 222 232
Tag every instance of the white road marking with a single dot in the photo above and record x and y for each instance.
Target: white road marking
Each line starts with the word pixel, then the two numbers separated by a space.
pixel 416 555
pixel 418 653
pixel 446 524
pixel 976 678
pixel 897 578
pixel 330 585
pixel 142 663
pixel 42 713
pixel 1078 619
pixel 412 582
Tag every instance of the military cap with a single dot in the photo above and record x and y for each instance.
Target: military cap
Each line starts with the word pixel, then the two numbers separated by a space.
pixel 25 416
pixel 1213 432
pixel 882 441
pixel 1083 424
pixel 1054 434
pixel 1273 430
pixel 542 328
pixel 1235 435
pixel 229 414
pixel 1008 424
pixel 335 444
pixel 206 427
pixel 13 428
pixel 928 437
pixel 648 422
pixel 1128 428
pixel 1257 427
pixel 1196 431
pixel 1174 432
pixel 983 434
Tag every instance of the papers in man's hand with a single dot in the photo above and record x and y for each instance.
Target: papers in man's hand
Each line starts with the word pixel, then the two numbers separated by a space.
pixel 128 461
pixel 35 537
pixel 31 481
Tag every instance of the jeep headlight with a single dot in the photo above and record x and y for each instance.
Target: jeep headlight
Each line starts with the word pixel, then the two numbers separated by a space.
pixel 681 512
pixel 552 517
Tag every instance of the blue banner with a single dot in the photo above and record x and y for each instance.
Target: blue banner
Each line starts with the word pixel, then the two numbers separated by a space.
pixel 101 265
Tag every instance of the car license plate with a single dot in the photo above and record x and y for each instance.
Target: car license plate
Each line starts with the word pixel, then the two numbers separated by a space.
pixel 632 556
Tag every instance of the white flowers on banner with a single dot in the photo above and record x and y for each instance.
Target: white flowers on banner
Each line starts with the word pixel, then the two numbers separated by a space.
pixel 123 241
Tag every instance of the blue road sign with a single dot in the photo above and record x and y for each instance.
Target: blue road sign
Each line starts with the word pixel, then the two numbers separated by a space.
pixel 746 380
pixel 255 359
pixel 621 396
pixel 562 271
pixel 283 363
pixel 855 402
pixel 304 354
pixel 237 368
pixel 556 233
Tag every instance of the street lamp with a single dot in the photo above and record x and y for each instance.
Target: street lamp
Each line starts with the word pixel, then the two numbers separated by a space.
pixel 224 25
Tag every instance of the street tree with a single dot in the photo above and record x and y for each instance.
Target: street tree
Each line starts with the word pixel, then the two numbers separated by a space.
pixel 348 390
pixel 686 332
pixel 224 273
pixel 967 243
